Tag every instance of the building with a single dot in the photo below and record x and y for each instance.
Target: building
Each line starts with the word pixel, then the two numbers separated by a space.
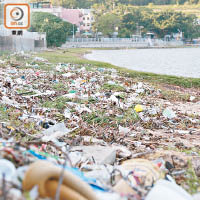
pixel 46 7
pixel 88 19
pixel 38 5
pixel 82 18
pixel 73 16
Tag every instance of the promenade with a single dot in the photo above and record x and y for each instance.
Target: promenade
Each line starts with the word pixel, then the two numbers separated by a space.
pixel 119 43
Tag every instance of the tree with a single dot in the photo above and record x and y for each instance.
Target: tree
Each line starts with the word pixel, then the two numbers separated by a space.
pixel 56 29
pixel 134 20
pixel 107 24
pixel 167 22
pixel 163 23
pixel 111 4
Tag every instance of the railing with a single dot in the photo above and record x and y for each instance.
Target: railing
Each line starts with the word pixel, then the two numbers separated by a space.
pixel 120 42
pixel 107 40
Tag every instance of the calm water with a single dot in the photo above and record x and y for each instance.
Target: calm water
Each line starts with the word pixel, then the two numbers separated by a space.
pixel 180 62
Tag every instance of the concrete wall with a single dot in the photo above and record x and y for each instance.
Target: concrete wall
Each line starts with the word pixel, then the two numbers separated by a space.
pixel 5 43
pixel 24 42
pixel 17 43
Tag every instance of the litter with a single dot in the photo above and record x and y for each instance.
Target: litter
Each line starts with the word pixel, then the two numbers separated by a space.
pixel 168 113
pixel 95 154
pixel 55 132
pixel 108 132
pixel 46 176
pixel 138 108
pixel 7 170
pixel 166 190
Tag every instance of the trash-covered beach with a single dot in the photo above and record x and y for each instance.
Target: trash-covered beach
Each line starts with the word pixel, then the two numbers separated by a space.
pixel 71 131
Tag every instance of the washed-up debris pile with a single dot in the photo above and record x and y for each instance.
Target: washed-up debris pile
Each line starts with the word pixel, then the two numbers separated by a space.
pixel 81 132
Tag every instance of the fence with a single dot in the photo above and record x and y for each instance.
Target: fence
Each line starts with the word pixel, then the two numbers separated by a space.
pixel 109 40
pixel 119 42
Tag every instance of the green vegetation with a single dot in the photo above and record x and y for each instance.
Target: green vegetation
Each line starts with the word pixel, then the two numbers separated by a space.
pixel 59 87
pixel 192 180
pixel 97 118
pixel 107 23
pixel 127 17
pixel 3 113
pixel 129 20
pixel 59 103
pixel 174 96
pixel 110 87
pixel 89 3
pixel 56 29
pixel 76 56
pixel 187 9
pixel 101 118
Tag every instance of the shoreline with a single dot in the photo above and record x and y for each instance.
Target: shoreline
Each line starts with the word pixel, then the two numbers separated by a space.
pixel 94 105
pixel 76 56
pixel 91 56
pixel 122 48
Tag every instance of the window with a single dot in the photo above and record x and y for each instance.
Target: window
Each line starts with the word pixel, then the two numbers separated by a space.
pixel 88 24
pixel 88 18
pixel 83 18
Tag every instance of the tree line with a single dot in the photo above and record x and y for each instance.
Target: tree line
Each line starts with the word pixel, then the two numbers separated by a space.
pixel 90 3
pixel 128 21
pixel 125 20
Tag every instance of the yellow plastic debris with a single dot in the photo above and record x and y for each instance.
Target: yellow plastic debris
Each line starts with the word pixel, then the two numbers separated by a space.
pixel 11 128
pixel 138 108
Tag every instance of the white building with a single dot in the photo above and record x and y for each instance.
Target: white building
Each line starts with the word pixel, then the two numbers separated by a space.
pixel 88 19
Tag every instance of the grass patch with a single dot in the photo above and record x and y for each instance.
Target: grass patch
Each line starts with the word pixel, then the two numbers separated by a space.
pixel 45 67
pixel 175 96
pixel 75 56
pixel 130 117
pixel 192 181
pixel 3 112
pixel 96 118
pixel 58 103
pixel 25 92
pixel 59 87
pixel 102 118
pixel 113 87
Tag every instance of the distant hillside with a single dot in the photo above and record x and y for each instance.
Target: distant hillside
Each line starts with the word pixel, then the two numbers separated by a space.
pixel 90 3
pixel 158 2
pixel 186 6
pixel 188 9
